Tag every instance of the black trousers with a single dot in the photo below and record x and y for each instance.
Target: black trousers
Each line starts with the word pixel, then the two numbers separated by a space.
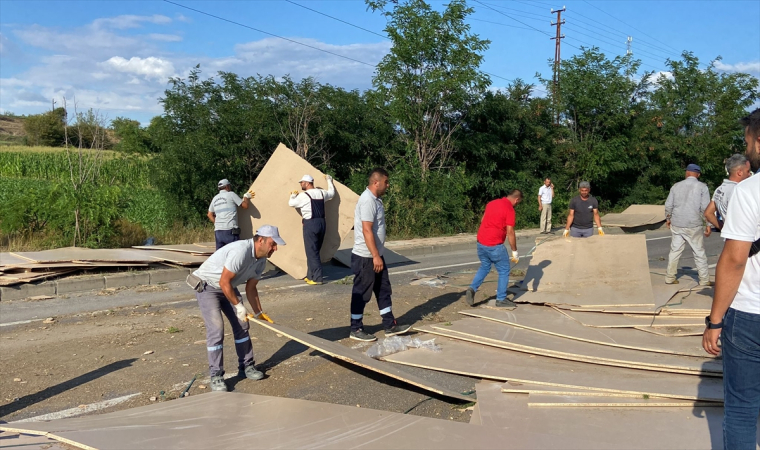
pixel 313 237
pixel 366 281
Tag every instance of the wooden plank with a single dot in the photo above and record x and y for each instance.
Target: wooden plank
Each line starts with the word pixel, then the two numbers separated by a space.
pixel 629 220
pixel 616 428
pixel 549 321
pixel 601 320
pixel 475 417
pixel 479 361
pixel 514 387
pixel 657 210
pixel 9 259
pixel 183 248
pixel 511 338
pixel 273 185
pixel 350 356
pixel 69 254
pixel 569 401
pixel 184 259
pixel 600 270
pixel 674 331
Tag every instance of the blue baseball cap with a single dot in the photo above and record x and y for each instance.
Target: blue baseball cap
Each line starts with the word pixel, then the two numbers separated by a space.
pixel 693 168
pixel 272 232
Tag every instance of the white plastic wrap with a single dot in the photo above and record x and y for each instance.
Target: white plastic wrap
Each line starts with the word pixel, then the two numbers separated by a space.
pixel 395 344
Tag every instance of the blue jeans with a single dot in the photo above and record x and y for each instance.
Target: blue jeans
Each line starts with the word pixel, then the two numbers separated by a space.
pixel 498 256
pixel 224 237
pixel 741 379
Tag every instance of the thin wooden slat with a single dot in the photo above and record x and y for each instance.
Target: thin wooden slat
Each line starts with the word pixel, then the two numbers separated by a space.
pixel 69 254
pixel 597 320
pixel 568 401
pixel 182 248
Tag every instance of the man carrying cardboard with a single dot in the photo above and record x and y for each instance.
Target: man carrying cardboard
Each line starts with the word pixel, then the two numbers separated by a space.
pixel 311 202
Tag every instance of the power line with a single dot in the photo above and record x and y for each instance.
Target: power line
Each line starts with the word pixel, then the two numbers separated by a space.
pixel 541 17
pixel 270 34
pixel 507 15
pixel 335 18
pixel 574 25
pixel 499 23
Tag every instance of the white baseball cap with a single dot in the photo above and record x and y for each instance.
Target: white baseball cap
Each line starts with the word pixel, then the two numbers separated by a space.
pixel 272 232
pixel 307 178
pixel 223 183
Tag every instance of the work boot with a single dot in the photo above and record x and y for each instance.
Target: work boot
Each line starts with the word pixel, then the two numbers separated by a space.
pixel 397 329
pixel 506 304
pixel 469 296
pixel 218 384
pixel 312 282
pixel 251 373
pixel 360 335
pixel 707 283
pixel 671 282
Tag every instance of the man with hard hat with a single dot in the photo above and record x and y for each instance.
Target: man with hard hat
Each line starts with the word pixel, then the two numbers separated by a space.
pixel 311 202
pixel 215 283
pixel 223 213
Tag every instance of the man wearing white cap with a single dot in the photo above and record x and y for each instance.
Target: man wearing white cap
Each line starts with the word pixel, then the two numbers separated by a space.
pixel 311 202
pixel 215 283
pixel 223 213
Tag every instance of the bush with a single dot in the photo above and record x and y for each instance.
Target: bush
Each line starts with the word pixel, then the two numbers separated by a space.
pixel 46 129
pixel 126 234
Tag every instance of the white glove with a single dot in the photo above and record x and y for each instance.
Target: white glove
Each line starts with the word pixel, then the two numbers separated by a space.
pixel 241 312
pixel 247 195
pixel 601 232
pixel 515 257
pixel 565 233
pixel 328 178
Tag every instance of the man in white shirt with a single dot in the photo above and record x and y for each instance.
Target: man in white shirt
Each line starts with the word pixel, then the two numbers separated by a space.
pixel 223 213
pixel 735 313
pixel 545 196
pixel 311 202
pixel 738 169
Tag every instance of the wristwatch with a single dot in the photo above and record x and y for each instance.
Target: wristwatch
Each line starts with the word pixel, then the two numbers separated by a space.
pixel 712 326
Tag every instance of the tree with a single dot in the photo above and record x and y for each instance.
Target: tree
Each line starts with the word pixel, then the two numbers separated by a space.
pixel 134 139
pixel 46 129
pixel 430 76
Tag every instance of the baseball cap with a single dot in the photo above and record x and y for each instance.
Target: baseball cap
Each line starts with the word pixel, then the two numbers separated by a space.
pixel 693 168
pixel 223 183
pixel 307 178
pixel 272 232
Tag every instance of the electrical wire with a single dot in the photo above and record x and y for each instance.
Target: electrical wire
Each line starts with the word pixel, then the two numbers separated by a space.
pixel 339 20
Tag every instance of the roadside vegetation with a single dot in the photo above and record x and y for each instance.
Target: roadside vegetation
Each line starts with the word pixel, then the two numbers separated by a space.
pixel 451 140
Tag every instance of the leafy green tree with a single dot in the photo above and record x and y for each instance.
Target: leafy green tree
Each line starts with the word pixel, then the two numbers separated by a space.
pixel 134 139
pixel 46 129
pixel 430 76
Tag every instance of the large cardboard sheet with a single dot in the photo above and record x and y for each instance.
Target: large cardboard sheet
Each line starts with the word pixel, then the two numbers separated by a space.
pixel 629 220
pixel 87 254
pixel 272 187
pixel 479 361
pixel 183 248
pixel 600 270
pixel 262 422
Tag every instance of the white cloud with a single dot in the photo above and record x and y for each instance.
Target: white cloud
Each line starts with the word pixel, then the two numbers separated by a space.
pixel 150 67
pixel 746 67
pixel 130 21
pixel 165 37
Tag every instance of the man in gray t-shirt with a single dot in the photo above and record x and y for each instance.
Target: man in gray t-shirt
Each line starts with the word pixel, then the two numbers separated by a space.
pixel 367 262
pixel 223 213
pixel 738 169
pixel 215 283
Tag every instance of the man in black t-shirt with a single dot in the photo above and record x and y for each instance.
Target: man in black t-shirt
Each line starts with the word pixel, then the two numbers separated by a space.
pixel 584 211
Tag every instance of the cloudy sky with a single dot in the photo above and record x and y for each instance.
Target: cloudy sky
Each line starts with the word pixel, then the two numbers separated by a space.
pixel 116 57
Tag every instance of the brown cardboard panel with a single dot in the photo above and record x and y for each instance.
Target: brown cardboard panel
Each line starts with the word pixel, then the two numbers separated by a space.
pixel 569 401
pixel 475 360
pixel 181 258
pixel 337 350
pixel 9 259
pixel 547 320
pixel 87 254
pixel 602 320
pixel 656 210
pixel 615 428
pixel 184 248
pixel 522 340
pixel 589 271
pixel 283 423
pixel 272 187
pixel 629 220
pixel 675 331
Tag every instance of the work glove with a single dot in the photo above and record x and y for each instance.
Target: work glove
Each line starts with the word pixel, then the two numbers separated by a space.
pixel 565 233
pixel 515 258
pixel 249 195
pixel 294 193
pixel 263 316
pixel 601 232
pixel 240 312
pixel 328 178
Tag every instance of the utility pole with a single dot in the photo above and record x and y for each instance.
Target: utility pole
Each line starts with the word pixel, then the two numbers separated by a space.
pixel 53 105
pixel 557 59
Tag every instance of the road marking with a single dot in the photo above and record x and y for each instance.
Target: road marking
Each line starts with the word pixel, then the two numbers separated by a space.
pixel 657 239
pixel 79 410
pixel 434 268
pixel 20 322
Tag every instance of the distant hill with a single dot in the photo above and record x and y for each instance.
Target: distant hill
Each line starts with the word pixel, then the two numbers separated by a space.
pixel 11 130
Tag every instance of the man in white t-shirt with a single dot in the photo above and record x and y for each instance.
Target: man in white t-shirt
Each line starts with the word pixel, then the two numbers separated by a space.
pixel 738 170
pixel 735 313
pixel 545 196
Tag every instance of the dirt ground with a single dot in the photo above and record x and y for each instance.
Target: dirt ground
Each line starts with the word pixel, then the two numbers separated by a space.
pixel 156 350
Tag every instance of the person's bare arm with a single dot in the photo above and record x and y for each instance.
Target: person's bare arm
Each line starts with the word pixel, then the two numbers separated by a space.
pixel 225 284
pixel 540 205
pixel 252 292
pixel 728 276
pixel 711 217
pixel 369 239
pixel 570 217
pixel 211 216
pixel 552 188
pixel 511 237
pixel 245 203
pixel 597 219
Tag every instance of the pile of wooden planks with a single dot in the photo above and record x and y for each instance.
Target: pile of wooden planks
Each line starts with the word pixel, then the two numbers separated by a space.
pixel 26 267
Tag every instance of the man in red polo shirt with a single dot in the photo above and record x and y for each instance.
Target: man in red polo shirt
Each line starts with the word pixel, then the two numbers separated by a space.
pixel 497 225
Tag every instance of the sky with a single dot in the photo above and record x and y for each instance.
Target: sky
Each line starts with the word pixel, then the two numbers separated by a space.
pixel 117 56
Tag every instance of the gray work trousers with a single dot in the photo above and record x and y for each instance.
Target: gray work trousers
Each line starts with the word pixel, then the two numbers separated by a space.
pixel 695 238
pixel 213 304
pixel 546 217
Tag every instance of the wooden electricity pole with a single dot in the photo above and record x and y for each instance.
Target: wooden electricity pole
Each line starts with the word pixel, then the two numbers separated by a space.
pixel 557 59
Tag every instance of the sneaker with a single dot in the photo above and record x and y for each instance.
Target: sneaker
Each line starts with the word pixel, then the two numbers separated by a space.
pixel 360 335
pixel 671 282
pixel 217 384
pixel 707 283
pixel 251 373
pixel 469 296
pixel 506 304
pixel 397 329
pixel 312 282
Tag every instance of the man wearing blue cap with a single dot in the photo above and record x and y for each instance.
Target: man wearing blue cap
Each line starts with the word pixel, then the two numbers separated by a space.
pixel 684 214
pixel 215 283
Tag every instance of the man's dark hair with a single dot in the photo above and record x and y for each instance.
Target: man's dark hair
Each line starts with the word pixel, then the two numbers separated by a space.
pixel 377 171
pixel 515 193
pixel 547 178
pixel 753 122
pixel 223 187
